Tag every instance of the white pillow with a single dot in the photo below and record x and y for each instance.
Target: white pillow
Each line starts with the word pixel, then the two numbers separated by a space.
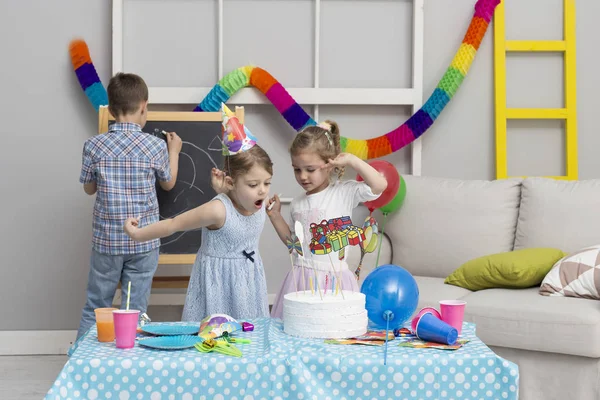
pixel 576 275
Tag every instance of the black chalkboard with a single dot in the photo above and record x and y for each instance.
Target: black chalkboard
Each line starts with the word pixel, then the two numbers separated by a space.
pixel 200 152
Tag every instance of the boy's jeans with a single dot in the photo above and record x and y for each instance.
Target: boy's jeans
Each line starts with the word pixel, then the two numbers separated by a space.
pixel 105 273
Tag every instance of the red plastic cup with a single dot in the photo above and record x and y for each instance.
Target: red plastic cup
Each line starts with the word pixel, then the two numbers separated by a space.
pixel 453 313
pixel 126 322
pixel 436 313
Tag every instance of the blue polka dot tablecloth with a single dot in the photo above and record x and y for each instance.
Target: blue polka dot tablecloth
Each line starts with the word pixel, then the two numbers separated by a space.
pixel 278 366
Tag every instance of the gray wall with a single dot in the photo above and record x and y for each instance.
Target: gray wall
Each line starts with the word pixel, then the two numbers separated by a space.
pixel 46 232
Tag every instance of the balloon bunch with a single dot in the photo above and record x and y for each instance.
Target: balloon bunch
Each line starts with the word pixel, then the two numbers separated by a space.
pixel 390 200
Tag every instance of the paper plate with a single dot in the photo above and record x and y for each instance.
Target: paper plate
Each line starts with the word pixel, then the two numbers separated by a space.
pixel 171 330
pixel 170 342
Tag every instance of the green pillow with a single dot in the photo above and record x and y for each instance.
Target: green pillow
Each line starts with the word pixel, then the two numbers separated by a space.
pixel 513 269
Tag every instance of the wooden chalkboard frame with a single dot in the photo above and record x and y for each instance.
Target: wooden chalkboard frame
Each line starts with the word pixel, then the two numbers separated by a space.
pixel 104 117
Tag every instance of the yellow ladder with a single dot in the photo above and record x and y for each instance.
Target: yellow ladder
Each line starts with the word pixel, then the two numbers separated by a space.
pixel 568 113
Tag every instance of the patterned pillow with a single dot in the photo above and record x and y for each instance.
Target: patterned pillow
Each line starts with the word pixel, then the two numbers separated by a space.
pixel 576 275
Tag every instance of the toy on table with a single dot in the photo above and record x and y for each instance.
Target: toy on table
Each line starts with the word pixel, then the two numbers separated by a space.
pixel 232 339
pixel 214 325
pixel 220 346
pixel 247 327
pixel 216 330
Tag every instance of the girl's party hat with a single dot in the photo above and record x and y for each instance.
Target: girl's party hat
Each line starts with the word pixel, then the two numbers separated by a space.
pixel 236 137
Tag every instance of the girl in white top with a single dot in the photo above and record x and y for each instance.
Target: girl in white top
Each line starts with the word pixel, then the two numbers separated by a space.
pixel 318 166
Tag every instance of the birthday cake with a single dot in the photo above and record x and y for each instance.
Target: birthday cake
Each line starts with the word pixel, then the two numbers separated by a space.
pixel 305 314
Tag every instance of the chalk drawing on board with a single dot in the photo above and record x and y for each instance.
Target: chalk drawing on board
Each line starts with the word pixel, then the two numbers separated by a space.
pixel 194 167
pixel 211 146
pixel 201 142
pixel 191 188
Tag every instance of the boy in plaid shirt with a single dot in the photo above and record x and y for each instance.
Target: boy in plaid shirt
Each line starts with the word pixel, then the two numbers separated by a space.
pixel 121 168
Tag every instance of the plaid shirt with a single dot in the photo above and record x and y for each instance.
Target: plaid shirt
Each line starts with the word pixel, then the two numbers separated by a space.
pixel 125 163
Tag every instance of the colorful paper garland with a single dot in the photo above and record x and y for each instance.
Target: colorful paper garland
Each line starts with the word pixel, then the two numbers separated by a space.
pixel 291 111
pixel 86 74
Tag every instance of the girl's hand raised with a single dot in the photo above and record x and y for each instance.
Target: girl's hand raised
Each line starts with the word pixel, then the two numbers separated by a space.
pixel 217 181
pixel 274 205
pixel 342 160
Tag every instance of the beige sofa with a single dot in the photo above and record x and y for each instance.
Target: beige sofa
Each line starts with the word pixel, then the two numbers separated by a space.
pixel 445 222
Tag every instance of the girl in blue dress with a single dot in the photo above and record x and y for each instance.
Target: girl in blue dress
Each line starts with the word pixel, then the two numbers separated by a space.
pixel 228 275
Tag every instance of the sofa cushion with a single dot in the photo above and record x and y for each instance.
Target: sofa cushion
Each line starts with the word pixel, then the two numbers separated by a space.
pixel 512 269
pixel 522 319
pixel 445 222
pixel 432 290
pixel 577 275
pixel 560 214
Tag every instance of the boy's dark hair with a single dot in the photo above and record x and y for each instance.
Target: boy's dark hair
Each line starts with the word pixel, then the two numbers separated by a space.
pixel 125 93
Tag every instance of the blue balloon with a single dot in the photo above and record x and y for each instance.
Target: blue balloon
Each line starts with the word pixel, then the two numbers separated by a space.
pixel 390 288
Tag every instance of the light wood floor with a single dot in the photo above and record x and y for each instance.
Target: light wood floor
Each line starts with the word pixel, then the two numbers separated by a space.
pixel 28 377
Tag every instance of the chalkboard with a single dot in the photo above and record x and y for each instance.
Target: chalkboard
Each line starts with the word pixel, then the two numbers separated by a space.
pixel 200 133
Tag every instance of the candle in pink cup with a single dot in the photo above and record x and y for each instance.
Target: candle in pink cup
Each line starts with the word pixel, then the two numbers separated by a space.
pixel 453 312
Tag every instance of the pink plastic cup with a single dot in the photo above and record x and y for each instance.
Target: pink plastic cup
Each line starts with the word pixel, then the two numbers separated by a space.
pixel 424 310
pixel 126 322
pixel 453 312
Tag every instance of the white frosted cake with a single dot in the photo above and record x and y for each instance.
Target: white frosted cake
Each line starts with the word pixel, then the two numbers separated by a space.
pixel 333 317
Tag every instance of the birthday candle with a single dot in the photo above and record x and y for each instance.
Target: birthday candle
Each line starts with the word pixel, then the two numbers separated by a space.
pixel 332 283
pixel 326 284
pixel 311 285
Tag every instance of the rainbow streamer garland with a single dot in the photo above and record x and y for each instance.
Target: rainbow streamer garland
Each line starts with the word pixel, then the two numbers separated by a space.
pixel 86 74
pixel 267 84
pixel 291 111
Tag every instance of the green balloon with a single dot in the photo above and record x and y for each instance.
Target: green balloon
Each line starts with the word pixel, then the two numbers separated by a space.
pixel 397 200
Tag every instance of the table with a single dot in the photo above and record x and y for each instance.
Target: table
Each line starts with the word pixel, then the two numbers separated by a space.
pixel 278 366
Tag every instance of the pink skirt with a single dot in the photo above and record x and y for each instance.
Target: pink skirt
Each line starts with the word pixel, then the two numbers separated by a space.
pixel 293 282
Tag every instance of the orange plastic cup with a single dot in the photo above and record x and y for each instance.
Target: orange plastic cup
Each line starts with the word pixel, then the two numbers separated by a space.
pixel 105 324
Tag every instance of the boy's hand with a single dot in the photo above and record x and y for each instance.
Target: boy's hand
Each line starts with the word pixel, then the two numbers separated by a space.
pixel 274 206
pixel 131 227
pixel 217 181
pixel 342 160
pixel 173 143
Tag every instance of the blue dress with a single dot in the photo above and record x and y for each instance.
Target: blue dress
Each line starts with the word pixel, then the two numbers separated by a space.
pixel 228 275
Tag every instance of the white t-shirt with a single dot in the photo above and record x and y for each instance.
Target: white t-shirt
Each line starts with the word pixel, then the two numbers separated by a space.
pixel 337 200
